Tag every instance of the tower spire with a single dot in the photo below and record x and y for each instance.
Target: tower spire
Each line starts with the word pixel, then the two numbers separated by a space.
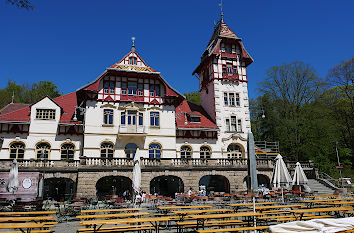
pixel 13 97
pixel 221 11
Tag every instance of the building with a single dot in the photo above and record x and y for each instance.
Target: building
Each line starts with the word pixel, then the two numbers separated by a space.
pixel 84 142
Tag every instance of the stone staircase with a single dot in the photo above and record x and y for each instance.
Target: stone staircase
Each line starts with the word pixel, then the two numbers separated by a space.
pixel 319 188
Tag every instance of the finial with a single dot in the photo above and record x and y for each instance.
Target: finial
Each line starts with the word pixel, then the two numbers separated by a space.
pixel 13 97
pixel 133 44
pixel 222 13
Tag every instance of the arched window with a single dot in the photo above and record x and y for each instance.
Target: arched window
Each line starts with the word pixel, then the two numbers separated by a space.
pixel 205 152
pixel 107 150
pixel 186 152
pixel 234 151
pixel 154 151
pixel 43 150
pixel 130 150
pixel 17 150
pixel 67 151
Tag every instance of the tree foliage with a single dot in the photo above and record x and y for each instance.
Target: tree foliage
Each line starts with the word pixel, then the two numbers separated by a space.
pixel 27 94
pixel 194 97
pixel 26 4
pixel 308 115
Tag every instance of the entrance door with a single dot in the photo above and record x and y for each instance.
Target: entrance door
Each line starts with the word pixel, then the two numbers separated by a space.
pixel 130 150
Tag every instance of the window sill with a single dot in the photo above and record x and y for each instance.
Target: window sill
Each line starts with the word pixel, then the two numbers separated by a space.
pixel 154 127
pixel 107 125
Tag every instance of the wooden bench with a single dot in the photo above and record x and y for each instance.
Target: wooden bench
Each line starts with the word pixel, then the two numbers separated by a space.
pixel 303 218
pixel 234 229
pixel 215 223
pixel 283 216
pixel 118 228
pixel 33 231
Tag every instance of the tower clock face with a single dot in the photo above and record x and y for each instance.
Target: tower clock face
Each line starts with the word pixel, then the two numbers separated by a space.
pixel 26 183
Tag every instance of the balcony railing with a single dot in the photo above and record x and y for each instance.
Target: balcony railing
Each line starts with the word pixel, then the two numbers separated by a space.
pixel 85 162
pixel 132 129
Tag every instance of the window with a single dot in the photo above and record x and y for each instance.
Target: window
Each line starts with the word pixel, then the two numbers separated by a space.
pixel 107 150
pixel 227 48
pixel 124 88
pixel 122 118
pixel 154 151
pixel 227 122
pixel 204 152
pixel 154 90
pixel 233 124
pixel 141 118
pixel 132 60
pixel 42 150
pixel 234 151
pixel 109 87
pixel 235 69
pixel 154 119
pixel 239 125
pixel 186 152
pixel 224 69
pixel 67 151
pixel 222 47
pixel 17 150
pixel 45 114
pixel 132 88
pixel 108 117
pixel 130 150
pixel 229 68
pixel 237 99
pixel 195 119
pixel 226 101
pixel 231 99
pixel 131 117
pixel 140 89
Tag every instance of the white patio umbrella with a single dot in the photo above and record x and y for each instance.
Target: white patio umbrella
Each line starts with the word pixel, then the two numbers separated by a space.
pixel 281 177
pixel 299 175
pixel 12 184
pixel 136 173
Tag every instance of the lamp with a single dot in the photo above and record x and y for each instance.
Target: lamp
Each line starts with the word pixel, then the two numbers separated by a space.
pixel 263 115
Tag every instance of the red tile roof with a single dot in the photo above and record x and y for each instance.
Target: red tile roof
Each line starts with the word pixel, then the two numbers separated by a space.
pixel 187 109
pixel 66 102
pixel 12 107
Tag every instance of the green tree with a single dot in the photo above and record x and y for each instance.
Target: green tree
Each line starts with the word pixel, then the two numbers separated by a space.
pixel 26 4
pixel 194 97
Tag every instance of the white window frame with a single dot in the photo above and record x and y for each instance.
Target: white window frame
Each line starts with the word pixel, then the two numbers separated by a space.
pixel 45 114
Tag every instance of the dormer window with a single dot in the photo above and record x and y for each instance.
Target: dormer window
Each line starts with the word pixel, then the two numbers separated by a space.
pixel 45 114
pixel 132 60
pixel 154 90
pixel 109 87
pixel 195 119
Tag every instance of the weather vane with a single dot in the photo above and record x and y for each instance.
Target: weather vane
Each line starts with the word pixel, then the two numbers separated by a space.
pixel 222 13
pixel 133 40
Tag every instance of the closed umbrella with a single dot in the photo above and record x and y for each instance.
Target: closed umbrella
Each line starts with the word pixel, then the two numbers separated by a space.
pixel 136 173
pixel 12 184
pixel 281 177
pixel 299 175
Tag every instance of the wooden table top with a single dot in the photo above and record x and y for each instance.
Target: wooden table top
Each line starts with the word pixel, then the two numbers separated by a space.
pixel 300 211
pixel 184 207
pixel 120 215
pixel 201 211
pixel 248 229
pixel 27 213
pixel 110 210
pixel 328 200
pixel 257 203
pixel 314 196
pixel 341 203
pixel 231 215
pixel 24 219
pixel 124 221
pixel 275 207
pixel 25 225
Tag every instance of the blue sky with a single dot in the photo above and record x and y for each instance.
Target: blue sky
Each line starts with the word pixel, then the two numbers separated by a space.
pixel 71 42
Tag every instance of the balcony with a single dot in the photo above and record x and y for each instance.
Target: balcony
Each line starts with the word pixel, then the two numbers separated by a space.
pixel 132 130
pixel 231 76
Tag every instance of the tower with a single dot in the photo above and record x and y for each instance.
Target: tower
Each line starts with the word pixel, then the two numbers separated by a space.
pixel 223 89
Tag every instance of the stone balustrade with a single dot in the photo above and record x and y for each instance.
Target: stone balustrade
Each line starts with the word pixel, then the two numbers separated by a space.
pixel 86 162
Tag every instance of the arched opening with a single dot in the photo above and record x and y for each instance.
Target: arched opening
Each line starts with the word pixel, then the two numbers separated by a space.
pixel 17 150
pixel 205 152
pixel 186 152
pixel 107 150
pixel 112 185
pixel 166 185
pixel 130 150
pixel 59 189
pixel 234 151
pixel 67 151
pixel 262 180
pixel 43 150
pixel 216 183
pixel 154 151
